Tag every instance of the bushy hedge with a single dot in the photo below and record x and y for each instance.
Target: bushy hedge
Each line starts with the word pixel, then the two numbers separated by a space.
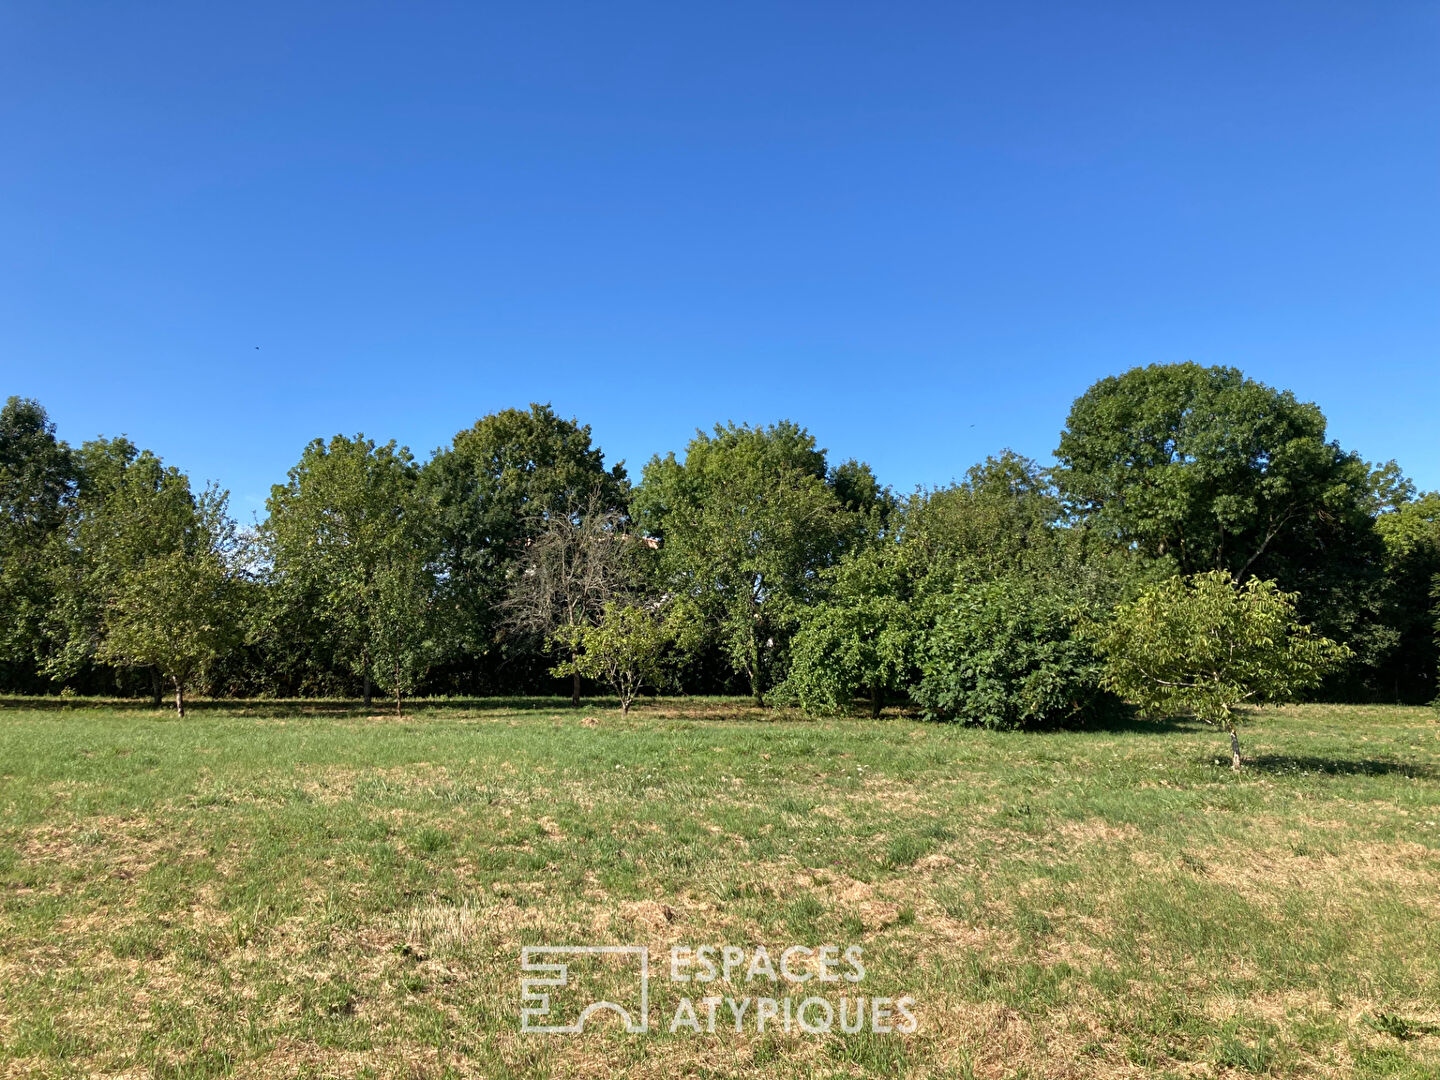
pixel 1005 654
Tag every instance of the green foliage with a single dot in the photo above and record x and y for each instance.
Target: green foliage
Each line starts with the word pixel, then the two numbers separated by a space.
pixel 745 523
pixel 1202 465
pixel 861 638
pixel 37 475
pixel 1204 646
pixel 405 626
pixel 859 492
pixel 37 486
pixel 131 509
pixel 177 611
pixel 805 579
pixel 491 493
pixel 1001 519
pixel 1410 529
pixel 626 650
pixel 142 573
pixel 1006 654
pixel 1203 469
pixel 350 541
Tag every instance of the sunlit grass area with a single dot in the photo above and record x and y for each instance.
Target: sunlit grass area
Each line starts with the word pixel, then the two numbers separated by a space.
pixel 315 889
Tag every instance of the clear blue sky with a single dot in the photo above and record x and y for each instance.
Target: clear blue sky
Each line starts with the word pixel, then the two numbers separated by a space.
pixel 919 229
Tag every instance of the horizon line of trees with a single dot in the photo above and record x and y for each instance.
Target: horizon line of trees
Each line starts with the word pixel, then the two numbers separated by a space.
pixel 515 560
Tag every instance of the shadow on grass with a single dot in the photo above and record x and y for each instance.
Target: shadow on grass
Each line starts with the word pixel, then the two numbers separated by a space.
pixel 1289 763
pixel 280 708
pixel 1127 720
pixel 1116 718
pixel 380 708
pixel 680 708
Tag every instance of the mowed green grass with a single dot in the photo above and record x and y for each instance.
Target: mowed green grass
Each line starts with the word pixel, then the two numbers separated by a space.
pixel 292 889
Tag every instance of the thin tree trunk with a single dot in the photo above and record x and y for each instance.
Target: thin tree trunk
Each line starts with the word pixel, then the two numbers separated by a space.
pixel 877 701
pixel 179 697
pixel 574 687
pixel 1234 750
pixel 157 688
pixel 365 663
pixel 757 687
pixel 397 700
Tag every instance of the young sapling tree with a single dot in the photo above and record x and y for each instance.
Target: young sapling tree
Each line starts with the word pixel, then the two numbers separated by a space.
pixel 1208 647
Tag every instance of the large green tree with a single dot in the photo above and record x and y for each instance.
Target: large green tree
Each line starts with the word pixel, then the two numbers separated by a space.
pixel 350 539
pixel 130 509
pixel 492 492
pixel 175 611
pixel 745 523
pixel 38 482
pixel 1199 468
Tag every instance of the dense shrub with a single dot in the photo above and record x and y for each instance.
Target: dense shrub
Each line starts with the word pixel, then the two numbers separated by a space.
pixel 842 651
pixel 860 639
pixel 1004 654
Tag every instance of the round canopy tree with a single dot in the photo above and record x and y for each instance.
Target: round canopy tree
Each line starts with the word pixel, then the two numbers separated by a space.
pixel 1198 468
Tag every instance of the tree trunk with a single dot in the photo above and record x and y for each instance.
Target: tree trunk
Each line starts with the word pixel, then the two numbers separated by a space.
pixel 157 688
pixel 179 697
pixel 877 701
pixel 757 686
pixel 365 663
pixel 1234 750
pixel 397 700
pixel 574 688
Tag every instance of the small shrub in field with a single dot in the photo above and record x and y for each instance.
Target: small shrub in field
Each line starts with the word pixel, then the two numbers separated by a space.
pixel 627 650
pixel 1004 654
pixel 1207 647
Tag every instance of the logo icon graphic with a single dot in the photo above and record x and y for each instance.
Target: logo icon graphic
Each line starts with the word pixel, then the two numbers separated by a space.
pixel 551 965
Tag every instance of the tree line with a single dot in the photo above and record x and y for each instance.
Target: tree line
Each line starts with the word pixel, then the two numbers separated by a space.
pixel 514 558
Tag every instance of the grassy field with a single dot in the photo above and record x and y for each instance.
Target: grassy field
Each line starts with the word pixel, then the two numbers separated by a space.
pixel 297 889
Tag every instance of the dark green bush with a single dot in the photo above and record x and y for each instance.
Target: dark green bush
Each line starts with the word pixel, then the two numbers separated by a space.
pixel 1005 654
